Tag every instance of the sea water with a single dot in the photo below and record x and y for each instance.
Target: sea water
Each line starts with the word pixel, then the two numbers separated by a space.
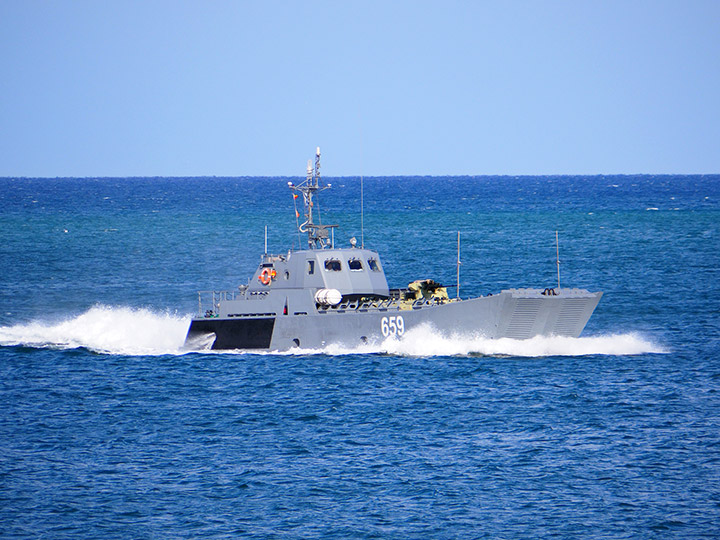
pixel 109 427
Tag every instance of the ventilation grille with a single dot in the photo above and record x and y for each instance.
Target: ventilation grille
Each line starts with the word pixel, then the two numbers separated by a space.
pixel 523 319
pixel 572 315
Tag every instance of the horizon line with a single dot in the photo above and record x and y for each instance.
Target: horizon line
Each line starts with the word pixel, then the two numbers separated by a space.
pixel 350 176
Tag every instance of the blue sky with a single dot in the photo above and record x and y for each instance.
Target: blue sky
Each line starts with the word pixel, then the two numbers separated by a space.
pixel 177 88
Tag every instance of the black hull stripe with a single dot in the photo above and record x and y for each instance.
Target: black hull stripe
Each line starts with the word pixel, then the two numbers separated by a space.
pixel 235 334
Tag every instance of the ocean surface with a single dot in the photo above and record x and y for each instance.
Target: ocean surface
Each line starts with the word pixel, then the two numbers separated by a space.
pixel 110 429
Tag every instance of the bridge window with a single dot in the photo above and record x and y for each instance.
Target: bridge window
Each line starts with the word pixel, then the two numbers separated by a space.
pixel 373 264
pixel 355 265
pixel 333 265
pixel 311 267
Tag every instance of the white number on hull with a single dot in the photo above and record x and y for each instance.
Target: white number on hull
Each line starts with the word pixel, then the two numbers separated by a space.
pixel 392 325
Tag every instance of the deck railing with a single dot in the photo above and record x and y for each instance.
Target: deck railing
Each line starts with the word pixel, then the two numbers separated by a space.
pixel 211 300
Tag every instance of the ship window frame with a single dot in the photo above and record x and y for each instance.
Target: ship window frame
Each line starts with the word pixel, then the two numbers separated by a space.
pixel 357 262
pixel 311 267
pixel 333 265
pixel 373 264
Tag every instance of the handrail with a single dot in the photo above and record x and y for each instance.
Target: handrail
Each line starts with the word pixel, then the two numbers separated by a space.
pixel 215 297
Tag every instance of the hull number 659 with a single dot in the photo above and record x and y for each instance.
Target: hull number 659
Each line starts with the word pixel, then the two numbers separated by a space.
pixel 394 326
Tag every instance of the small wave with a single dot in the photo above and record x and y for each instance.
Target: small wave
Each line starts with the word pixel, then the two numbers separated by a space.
pixel 130 331
pixel 105 329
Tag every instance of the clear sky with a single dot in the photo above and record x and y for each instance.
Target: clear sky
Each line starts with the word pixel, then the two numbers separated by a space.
pixel 179 88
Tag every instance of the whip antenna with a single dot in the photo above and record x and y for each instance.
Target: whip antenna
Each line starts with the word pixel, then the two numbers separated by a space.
pixel 557 257
pixel 362 213
pixel 362 198
pixel 458 266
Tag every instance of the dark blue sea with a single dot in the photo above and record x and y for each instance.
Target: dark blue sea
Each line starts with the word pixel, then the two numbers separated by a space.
pixel 109 429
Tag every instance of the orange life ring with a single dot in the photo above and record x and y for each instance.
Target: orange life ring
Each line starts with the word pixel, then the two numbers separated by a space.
pixel 267 275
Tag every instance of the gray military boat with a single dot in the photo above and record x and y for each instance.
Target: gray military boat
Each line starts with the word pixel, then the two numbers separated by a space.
pixel 324 295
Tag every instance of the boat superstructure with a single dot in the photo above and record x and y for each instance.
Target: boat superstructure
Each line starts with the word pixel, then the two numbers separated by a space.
pixel 325 295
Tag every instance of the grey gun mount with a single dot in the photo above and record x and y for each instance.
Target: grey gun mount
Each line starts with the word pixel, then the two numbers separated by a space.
pixel 325 295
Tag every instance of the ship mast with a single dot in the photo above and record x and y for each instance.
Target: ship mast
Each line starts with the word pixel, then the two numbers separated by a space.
pixel 318 234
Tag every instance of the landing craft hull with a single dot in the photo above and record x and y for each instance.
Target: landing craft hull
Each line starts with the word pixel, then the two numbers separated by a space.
pixel 515 313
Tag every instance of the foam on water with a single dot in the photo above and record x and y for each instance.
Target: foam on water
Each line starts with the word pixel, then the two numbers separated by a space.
pixel 129 331
pixel 105 329
pixel 425 340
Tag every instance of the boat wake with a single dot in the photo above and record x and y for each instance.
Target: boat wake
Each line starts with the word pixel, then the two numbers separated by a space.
pixel 105 329
pixel 142 332
pixel 427 341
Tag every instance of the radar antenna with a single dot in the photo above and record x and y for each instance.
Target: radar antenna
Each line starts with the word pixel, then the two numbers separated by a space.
pixel 318 234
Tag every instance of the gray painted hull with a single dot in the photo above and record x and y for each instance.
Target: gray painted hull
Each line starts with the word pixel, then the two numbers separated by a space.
pixel 514 313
